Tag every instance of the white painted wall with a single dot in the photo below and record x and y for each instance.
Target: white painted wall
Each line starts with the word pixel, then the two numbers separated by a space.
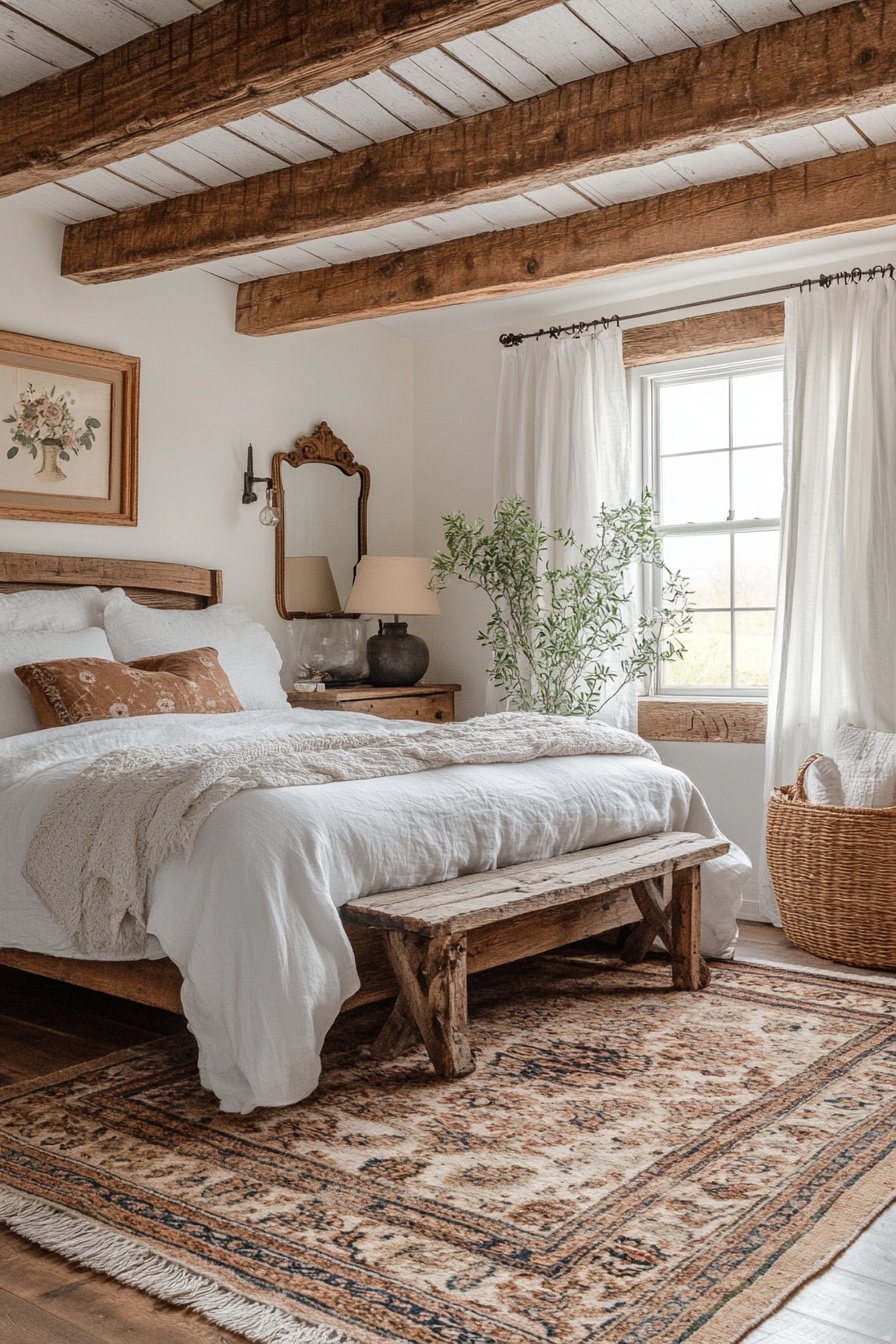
pixel 205 393
pixel 730 777
pixel 455 401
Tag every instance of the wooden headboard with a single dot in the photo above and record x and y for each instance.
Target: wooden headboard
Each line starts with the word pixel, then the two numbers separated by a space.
pixel 152 583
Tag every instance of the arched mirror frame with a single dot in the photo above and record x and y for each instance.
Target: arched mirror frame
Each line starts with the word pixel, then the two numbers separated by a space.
pixel 322 447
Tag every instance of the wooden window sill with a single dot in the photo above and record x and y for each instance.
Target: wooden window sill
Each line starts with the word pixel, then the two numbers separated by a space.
pixel 668 719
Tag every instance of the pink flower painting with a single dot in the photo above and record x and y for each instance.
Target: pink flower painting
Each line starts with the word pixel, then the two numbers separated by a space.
pixel 36 419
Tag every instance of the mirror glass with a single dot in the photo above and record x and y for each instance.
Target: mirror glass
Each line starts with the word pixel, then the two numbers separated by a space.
pixel 320 518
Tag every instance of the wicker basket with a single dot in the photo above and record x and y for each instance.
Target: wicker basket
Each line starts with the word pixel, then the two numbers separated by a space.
pixel 834 874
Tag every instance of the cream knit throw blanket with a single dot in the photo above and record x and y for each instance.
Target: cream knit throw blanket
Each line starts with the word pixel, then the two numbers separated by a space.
pixel 106 833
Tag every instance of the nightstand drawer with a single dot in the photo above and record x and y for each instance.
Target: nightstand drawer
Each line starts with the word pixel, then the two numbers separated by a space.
pixel 436 708
pixel 428 704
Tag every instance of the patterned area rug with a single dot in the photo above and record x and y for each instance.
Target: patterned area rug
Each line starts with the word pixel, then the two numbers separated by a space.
pixel 626 1164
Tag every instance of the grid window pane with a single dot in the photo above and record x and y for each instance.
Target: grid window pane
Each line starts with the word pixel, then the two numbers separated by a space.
pixel 718 470
pixel 695 489
pixel 753 632
pixel 758 481
pixel 693 417
pixel 706 561
pixel 755 569
pixel 757 408
pixel 707 661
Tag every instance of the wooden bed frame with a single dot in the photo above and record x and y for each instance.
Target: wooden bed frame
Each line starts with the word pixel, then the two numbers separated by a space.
pixel 158 983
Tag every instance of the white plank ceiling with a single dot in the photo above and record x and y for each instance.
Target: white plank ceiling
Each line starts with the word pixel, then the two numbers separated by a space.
pixel 473 74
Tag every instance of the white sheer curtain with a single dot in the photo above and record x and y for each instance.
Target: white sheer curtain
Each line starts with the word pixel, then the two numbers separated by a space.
pixel 835 631
pixel 564 442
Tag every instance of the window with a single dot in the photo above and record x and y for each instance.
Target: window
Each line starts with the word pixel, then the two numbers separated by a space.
pixel 714 463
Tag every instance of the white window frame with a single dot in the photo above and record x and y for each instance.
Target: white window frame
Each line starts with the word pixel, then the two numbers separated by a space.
pixel 644 406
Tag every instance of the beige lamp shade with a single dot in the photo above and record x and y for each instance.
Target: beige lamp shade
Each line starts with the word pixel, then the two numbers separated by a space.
pixel 393 585
pixel 308 584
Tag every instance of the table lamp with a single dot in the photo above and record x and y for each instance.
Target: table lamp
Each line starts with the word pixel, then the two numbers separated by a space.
pixel 396 583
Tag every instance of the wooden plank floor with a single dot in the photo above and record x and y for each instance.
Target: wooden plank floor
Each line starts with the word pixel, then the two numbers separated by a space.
pixel 45 1300
pixel 761 942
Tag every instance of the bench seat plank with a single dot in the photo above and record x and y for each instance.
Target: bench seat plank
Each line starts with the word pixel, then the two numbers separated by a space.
pixel 466 903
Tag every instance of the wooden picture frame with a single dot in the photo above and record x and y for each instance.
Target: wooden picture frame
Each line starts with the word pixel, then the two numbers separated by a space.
pixel 70 411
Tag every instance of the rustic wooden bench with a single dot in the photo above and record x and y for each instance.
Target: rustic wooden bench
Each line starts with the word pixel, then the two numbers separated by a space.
pixel 426 928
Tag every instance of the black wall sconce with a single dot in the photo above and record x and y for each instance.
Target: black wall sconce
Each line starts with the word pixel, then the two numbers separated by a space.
pixel 270 514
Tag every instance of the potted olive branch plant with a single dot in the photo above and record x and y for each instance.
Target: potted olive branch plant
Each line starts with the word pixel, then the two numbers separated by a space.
pixel 556 629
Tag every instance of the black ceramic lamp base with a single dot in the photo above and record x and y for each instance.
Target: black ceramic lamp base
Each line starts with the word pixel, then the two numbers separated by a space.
pixel 395 657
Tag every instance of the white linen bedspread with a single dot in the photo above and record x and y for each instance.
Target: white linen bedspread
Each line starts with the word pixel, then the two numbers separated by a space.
pixel 103 837
pixel 251 917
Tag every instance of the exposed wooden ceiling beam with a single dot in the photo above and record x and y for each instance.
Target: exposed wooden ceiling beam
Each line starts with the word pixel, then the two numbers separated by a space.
pixel 705 334
pixel 773 79
pixel 239 57
pixel 828 196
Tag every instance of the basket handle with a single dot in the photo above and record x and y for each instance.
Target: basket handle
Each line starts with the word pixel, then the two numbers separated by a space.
pixel 800 795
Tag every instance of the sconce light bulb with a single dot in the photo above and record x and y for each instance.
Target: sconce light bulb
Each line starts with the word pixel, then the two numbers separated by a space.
pixel 270 514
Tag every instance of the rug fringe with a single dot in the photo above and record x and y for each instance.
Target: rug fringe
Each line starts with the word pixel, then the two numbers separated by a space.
pixel 86 1243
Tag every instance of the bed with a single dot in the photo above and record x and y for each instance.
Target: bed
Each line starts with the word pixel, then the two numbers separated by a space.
pixel 640 798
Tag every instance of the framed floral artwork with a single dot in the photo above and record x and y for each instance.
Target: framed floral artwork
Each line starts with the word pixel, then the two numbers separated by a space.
pixel 68 432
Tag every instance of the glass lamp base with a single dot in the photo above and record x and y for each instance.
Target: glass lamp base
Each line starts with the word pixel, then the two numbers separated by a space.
pixel 328 650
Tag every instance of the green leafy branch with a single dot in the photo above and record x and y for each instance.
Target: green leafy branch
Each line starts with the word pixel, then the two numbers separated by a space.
pixel 556 630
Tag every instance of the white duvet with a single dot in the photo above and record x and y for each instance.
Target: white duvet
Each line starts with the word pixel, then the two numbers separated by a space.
pixel 251 917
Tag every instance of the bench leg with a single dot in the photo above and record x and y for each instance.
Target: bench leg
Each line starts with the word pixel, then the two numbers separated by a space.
pixel 652 902
pixel 432 977
pixel 400 1033
pixel 689 970
pixel 673 916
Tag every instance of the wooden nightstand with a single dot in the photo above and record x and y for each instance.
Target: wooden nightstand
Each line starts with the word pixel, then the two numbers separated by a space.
pixel 430 704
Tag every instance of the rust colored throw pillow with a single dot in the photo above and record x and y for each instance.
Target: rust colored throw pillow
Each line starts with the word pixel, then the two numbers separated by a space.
pixel 77 690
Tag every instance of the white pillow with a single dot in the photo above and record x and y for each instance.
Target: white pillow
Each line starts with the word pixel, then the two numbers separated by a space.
pixel 17 713
pixel 824 787
pixel 245 649
pixel 52 609
pixel 867 761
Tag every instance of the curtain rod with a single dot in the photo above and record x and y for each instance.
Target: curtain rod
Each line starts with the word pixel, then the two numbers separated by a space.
pixel 823 281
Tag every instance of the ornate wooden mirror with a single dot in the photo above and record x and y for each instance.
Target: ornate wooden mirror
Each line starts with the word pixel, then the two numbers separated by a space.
pixel 322 532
